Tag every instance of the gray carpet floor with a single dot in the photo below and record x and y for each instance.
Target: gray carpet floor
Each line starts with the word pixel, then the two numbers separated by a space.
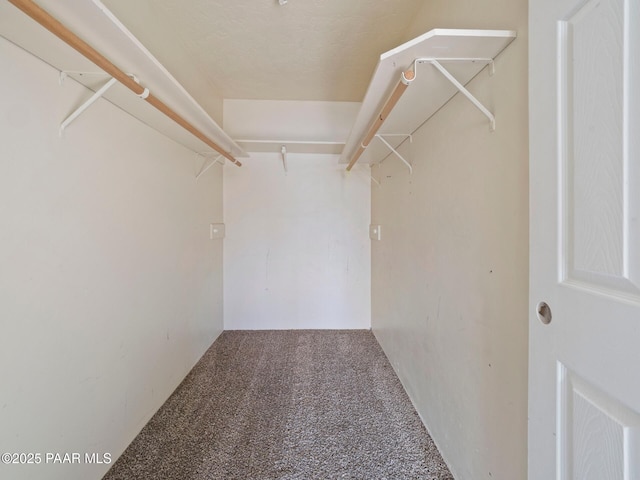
pixel 301 404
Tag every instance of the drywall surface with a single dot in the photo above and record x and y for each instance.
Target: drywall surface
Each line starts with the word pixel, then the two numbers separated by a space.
pixel 450 274
pixel 110 289
pixel 297 120
pixel 259 49
pixel 157 34
pixel 297 251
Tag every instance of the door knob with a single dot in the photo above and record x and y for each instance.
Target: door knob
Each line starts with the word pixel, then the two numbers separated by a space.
pixel 544 313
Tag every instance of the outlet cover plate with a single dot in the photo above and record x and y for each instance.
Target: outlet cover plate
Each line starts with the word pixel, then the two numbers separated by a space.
pixel 375 232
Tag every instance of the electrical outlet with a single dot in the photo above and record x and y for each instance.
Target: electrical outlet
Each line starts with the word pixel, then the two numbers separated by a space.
pixel 375 232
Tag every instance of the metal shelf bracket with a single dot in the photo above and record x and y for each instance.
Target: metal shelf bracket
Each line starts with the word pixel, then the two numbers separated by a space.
pixel 206 166
pixel 436 62
pixel 91 100
pixel 67 73
pixel 373 179
pixel 283 152
pixel 101 91
pixel 393 150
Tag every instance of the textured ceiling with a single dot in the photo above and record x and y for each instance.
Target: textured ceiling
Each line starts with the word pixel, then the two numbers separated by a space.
pixel 257 49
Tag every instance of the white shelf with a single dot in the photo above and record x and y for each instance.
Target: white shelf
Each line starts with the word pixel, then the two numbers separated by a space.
pixel 95 24
pixel 293 146
pixel 301 126
pixel 429 91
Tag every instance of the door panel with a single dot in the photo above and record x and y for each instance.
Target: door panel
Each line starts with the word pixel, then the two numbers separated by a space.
pixel 584 368
pixel 600 238
pixel 597 434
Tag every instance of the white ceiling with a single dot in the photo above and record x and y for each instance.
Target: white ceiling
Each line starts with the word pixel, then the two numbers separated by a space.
pixel 256 49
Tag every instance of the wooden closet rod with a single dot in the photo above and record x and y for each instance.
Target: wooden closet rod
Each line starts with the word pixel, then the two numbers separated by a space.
pixel 405 80
pixel 59 30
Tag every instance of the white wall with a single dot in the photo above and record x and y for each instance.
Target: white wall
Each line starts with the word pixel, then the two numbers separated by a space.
pixel 296 120
pixel 162 40
pixel 450 275
pixel 297 251
pixel 110 289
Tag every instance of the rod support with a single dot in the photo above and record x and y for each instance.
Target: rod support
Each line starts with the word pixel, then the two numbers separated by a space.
pixel 436 62
pixel 373 179
pixel 90 101
pixel 283 153
pixel 206 167
pixel 395 152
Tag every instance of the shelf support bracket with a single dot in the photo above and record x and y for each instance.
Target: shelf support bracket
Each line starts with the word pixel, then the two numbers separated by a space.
pixel 394 151
pixel 283 152
pixel 66 73
pixel 465 92
pixel 206 167
pixel 99 93
pixel 373 179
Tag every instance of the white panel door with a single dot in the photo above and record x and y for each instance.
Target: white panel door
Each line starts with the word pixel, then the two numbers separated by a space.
pixel 584 371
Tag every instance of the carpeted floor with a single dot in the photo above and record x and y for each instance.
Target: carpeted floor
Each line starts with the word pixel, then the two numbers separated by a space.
pixel 300 404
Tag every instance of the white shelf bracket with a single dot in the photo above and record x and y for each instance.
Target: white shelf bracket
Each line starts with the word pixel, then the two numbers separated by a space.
pixel 492 68
pixel 66 73
pixel 97 94
pixel 373 179
pixel 67 121
pixel 393 150
pixel 283 152
pixel 206 166
pixel 436 63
